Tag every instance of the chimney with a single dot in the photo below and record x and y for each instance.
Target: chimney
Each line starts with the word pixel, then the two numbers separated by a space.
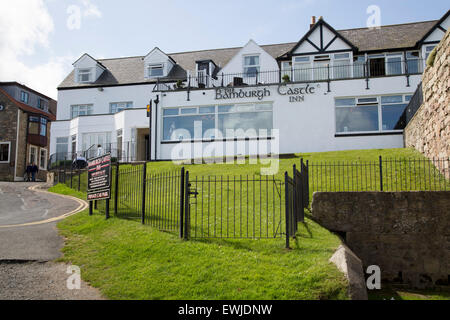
pixel 313 22
pixel 320 18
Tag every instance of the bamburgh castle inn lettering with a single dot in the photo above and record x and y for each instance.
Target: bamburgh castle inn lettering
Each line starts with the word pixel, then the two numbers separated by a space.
pixel 342 89
pixel 296 94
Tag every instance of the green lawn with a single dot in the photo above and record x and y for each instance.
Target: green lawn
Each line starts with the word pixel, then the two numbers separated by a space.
pixel 127 260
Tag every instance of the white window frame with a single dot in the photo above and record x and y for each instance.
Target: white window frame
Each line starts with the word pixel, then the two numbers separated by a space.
pixel 155 66
pixel 9 151
pixel 87 106
pixel 82 72
pixel 216 113
pixel 244 66
pixel 126 104
pixel 380 111
pixel 296 66
pixel 413 59
pixel 45 159
pixel 387 63
pixel 348 65
pixel 36 155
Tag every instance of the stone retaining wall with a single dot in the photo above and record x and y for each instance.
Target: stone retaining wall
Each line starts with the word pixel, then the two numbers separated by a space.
pixel 429 130
pixel 407 234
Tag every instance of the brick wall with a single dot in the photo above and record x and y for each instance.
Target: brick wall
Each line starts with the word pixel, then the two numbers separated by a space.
pixel 429 130
pixel 8 133
pixel 405 233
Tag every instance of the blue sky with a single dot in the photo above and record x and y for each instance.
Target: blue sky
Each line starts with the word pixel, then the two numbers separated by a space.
pixel 37 46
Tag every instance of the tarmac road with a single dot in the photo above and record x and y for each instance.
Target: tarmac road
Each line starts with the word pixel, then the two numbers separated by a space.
pixel 29 241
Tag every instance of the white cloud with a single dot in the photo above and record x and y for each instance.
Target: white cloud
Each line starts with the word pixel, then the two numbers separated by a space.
pixel 26 25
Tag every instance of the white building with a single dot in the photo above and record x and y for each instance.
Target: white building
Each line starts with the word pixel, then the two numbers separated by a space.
pixel 332 90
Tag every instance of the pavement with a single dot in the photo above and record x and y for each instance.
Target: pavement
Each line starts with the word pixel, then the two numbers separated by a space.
pixel 29 242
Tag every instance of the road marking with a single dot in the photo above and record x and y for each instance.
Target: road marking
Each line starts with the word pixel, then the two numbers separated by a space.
pixel 82 206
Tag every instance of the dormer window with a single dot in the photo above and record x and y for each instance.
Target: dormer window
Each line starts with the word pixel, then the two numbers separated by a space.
pixel 84 75
pixel 156 70
pixel 251 65
pixel 42 104
pixel 24 96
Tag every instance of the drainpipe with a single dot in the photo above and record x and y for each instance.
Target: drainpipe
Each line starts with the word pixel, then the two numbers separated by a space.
pixel 17 143
pixel 156 125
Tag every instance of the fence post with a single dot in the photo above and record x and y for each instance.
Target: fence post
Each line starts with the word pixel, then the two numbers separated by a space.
pixel 144 176
pixel 366 67
pixel 116 189
pixel 182 193
pixel 79 179
pixel 107 209
pixel 328 78
pixel 71 176
pixel 296 203
pixel 186 206
pixel 65 159
pixel 381 173
pixel 286 192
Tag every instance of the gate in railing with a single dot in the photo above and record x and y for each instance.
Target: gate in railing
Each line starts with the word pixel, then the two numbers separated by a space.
pixel 239 207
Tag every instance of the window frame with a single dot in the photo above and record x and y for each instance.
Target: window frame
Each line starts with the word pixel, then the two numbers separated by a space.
pixel 245 66
pixel 84 71
pixel 346 67
pixel 24 94
pixel 216 114
pixel 305 61
pixel 88 106
pixel 9 151
pixel 155 66
pixel 45 159
pixel 380 105
pixel 42 104
pixel 128 105
pixel 36 154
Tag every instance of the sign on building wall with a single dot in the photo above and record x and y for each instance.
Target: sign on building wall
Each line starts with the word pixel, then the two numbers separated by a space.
pixel 99 178
pixel 295 93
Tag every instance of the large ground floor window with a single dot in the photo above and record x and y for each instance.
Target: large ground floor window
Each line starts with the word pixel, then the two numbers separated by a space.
pixel 93 140
pixel 371 114
pixel 215 122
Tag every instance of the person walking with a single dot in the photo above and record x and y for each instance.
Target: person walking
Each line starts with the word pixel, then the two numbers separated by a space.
pixel 34 172
pixel 99 150
pixel 28 172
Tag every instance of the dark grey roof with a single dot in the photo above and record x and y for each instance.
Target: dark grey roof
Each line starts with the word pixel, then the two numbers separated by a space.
pixel 123 71
pixel 388 37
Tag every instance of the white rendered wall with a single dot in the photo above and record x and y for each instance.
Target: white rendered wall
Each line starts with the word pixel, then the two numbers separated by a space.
pixel 307 126
pixel 138 94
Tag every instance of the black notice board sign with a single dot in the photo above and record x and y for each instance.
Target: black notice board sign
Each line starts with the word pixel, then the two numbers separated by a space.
pixel 99 178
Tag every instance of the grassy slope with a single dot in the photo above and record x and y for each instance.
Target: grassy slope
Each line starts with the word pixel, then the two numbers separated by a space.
pixel 147 264
pixel 129 261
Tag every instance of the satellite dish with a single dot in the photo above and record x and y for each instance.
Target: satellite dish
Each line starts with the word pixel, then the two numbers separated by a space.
pixel 1 107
